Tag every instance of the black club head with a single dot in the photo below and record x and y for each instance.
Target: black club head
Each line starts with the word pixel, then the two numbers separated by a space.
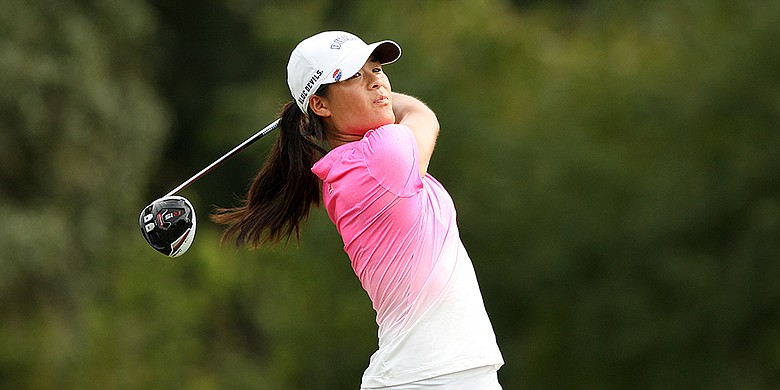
pixel 168 225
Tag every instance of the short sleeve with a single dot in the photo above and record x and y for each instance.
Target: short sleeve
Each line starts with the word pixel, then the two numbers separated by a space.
pixel 392 159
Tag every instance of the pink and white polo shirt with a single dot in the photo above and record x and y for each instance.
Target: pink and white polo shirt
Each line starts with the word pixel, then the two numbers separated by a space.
pixel 400 234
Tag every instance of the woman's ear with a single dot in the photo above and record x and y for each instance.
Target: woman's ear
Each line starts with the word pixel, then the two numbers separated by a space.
pixel 319 105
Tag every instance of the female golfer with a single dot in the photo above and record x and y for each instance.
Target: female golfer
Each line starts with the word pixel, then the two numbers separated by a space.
pixel 397 222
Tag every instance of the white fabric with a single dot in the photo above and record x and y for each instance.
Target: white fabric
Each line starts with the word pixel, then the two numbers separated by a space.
pixel 480 378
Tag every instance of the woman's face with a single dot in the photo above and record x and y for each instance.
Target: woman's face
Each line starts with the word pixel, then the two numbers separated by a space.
pixel 358 104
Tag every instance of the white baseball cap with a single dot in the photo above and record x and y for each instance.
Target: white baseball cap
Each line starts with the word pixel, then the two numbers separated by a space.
pixel 329 57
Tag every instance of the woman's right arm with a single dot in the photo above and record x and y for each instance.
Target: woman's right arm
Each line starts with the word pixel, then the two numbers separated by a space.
pixel 414 114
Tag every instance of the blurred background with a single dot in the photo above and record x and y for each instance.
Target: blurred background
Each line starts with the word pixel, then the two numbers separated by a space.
pixel 615 165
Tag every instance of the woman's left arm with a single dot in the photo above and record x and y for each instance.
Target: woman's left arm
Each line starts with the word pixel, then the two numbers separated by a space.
pixel 414 114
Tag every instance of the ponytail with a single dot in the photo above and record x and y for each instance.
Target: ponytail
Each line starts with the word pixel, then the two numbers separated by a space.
pixel 282 193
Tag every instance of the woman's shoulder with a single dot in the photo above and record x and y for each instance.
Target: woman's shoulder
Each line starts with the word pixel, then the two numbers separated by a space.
pixel 391 133
pixel 391 142
pixel 391 156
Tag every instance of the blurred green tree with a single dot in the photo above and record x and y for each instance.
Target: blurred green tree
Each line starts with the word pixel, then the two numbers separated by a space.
pixel 80 124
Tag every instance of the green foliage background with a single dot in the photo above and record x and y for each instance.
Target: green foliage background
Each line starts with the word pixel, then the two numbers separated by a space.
pixel 615 166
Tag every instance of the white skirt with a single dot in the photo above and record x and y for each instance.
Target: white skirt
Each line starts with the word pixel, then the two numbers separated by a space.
pixel 483 378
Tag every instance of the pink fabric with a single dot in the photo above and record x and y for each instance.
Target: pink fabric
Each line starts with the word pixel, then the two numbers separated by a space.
pixel 401 237
pixel 372 192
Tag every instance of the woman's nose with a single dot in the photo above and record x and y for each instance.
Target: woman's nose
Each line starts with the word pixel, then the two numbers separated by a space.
pixel 376 81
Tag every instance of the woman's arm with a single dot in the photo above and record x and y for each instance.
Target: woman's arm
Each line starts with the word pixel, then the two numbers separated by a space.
pixel 422 120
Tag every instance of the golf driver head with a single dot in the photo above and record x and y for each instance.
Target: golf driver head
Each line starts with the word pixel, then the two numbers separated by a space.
pixel 168 225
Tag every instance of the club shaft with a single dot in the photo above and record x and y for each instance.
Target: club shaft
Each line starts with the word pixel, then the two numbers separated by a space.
pixel 249 141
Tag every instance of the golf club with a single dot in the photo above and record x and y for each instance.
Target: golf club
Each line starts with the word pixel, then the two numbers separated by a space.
pixel 168 223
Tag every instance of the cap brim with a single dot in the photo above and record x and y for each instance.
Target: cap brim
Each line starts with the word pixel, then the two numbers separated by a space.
pixel 386 52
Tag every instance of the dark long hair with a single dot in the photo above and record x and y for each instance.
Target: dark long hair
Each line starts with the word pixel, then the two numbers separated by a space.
pixel 282 193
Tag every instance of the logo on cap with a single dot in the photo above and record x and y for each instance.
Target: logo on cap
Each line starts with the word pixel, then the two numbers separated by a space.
pixel 337 74
pixel 309 85
pixel 336 45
